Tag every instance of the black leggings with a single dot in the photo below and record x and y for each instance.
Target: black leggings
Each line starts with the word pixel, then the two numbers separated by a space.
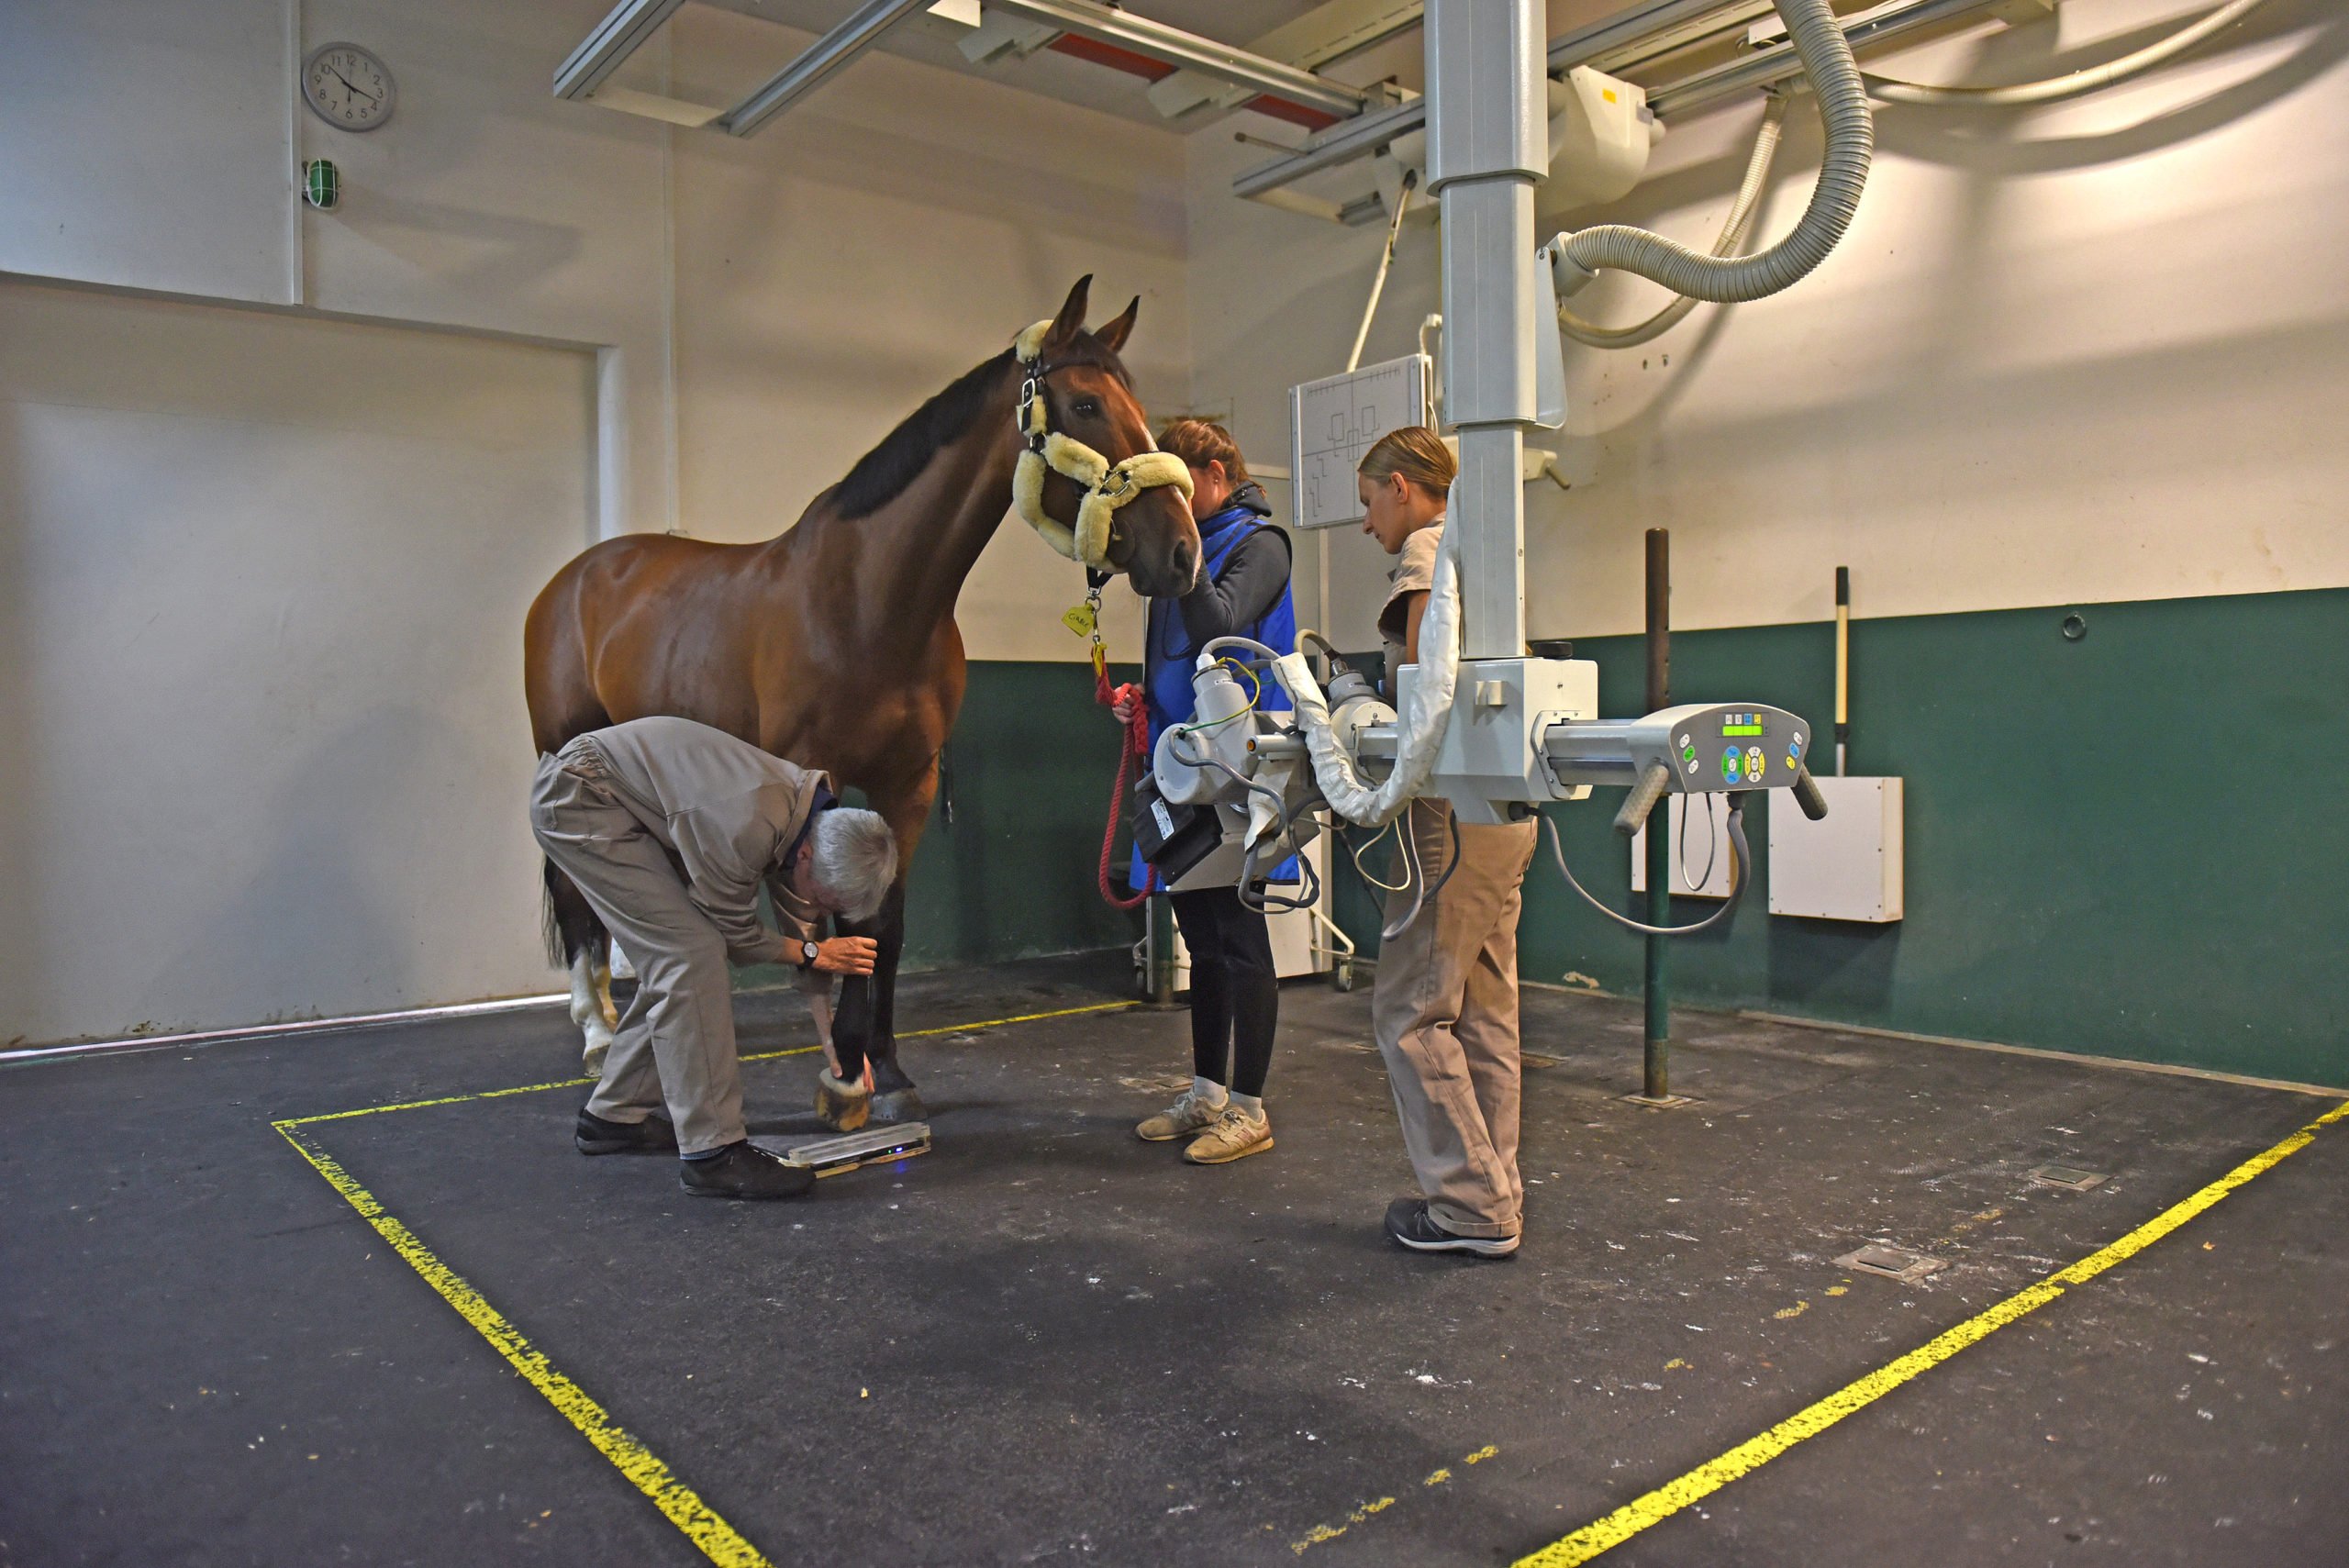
pixel 1235 996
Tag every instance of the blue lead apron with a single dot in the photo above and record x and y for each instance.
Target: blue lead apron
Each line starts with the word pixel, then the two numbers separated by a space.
pixel 1167 654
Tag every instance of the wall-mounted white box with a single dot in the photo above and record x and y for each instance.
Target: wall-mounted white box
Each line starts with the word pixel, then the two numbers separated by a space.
pixel 1705 841
pixel 1845 867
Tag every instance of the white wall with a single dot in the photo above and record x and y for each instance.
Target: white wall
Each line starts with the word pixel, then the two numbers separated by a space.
pixel 2094 351
pixel 262 583
pixel 761 311
pixel 156 144
pixel 270 563
pixel 149 145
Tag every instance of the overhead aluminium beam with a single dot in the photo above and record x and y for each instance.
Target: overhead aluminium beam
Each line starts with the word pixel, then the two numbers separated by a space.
pixel 616 38
pixel 1138 35
pixel 1188 51
pixel 1357 138
pixel 1765 68
pixel 1360 139
pixel 1768 67
pixel 813 68
pixel 1587 43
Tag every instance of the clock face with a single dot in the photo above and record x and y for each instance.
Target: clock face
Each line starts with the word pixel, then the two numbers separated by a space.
pixel 348 88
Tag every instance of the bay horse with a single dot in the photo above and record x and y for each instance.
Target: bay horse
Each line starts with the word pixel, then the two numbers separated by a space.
pixel 834 645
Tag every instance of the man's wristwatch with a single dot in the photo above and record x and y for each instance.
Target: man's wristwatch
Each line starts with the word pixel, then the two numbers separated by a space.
pixel 808 951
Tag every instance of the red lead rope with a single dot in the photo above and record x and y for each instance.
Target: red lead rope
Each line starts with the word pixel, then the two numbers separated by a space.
pixel 1133 748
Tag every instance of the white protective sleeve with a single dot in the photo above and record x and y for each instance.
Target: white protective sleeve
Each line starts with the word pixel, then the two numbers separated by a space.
pixel 1425 714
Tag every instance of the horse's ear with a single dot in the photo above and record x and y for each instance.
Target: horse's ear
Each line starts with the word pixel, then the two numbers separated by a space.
pixel 1113 335
pixel 1071 320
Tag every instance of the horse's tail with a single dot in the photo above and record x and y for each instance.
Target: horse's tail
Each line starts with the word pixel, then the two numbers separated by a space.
pixel 550 923
pixel 568 921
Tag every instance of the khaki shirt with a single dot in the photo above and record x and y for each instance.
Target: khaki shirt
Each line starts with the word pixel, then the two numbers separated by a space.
pixel 725 809
pixel 1414 573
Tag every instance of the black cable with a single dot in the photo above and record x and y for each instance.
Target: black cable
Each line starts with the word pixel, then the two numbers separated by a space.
pixel 1741 861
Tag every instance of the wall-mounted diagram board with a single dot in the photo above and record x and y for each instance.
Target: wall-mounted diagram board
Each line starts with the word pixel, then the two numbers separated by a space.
pixel 1333 421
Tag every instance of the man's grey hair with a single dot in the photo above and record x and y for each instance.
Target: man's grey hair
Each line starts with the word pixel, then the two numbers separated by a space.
pixel 854 859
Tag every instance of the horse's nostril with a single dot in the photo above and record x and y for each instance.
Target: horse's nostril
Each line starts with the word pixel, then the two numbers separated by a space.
pixel 1187 562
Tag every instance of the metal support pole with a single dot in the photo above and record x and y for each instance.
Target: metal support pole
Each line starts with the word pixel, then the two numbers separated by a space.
pixel 1658 1075
pixel 1159 933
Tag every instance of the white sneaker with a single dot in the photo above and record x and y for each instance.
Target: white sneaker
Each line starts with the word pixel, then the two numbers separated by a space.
pixel 1235 1136
pixel 1187 1115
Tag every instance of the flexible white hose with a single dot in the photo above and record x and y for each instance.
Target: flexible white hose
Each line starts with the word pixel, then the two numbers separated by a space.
pixel 1834 77
pixel 1427 711
pixel 1892 90
pixel 1734 230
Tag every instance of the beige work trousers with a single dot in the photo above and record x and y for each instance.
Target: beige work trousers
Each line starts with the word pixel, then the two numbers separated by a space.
pixel 675 1043
pixel 1444 1011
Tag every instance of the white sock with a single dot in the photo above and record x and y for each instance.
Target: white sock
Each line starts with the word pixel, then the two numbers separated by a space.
pixel 1206 1091
pixel 1251 1106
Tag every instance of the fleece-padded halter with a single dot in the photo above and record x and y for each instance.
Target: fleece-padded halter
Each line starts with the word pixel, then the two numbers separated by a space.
pixel 1108 485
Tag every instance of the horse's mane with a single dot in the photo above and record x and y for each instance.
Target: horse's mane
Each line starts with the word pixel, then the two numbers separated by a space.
pixel 881 473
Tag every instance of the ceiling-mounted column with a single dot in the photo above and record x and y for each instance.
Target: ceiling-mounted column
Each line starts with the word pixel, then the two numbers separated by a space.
pixel 1488 144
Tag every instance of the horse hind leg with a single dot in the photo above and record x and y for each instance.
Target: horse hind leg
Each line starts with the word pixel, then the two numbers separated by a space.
pixel 577 941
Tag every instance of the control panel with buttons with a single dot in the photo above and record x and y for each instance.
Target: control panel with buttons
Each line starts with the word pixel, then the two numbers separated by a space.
pixel 1710 749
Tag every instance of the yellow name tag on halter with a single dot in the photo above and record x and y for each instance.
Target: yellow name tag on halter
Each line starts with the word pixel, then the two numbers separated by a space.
pixel 1081 620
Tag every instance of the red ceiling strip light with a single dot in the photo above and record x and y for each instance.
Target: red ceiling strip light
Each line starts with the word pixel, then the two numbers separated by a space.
pixel 1149 70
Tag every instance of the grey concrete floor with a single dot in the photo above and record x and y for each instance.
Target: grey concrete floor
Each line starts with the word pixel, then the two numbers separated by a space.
pixel 1046 1341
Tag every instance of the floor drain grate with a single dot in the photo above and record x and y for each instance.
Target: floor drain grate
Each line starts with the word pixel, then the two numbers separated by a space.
pixel 1892 1262
pixel 2067 1178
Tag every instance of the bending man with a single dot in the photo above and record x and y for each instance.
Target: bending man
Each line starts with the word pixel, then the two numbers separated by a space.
pixel 668 827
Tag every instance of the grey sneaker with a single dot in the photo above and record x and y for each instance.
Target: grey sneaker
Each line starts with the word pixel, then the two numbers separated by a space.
pixel 1188 1115
pixel 1235 1136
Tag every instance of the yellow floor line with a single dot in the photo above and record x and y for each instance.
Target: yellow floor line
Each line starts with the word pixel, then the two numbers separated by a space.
pixel 761 1056
pixel 1320 1533
pixel 719 1541
pixel 1605 1534
pixel 1024 1018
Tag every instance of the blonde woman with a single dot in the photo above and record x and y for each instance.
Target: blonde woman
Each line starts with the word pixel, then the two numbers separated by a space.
pixel 1444 1007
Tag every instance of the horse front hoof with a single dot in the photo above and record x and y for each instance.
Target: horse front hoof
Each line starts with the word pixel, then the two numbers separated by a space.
pixel 844 1108
pixel 899 1105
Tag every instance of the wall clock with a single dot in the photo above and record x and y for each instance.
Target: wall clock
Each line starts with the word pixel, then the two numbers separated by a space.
pixel 348 88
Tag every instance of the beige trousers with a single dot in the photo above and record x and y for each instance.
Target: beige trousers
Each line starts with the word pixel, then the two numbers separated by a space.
pixel 676 1041
pixel 1444 1011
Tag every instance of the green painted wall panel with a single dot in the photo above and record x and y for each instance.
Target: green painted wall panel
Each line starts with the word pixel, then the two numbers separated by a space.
pixel 2131 845
pixel 1009 872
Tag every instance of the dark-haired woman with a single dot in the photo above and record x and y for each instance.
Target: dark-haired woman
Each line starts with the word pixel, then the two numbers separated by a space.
pixel 1242 591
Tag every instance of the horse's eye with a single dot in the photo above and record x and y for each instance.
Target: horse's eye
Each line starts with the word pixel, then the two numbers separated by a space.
pixel 1086 408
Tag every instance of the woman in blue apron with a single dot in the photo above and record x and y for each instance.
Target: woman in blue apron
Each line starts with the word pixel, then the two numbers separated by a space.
pixel 1242 591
